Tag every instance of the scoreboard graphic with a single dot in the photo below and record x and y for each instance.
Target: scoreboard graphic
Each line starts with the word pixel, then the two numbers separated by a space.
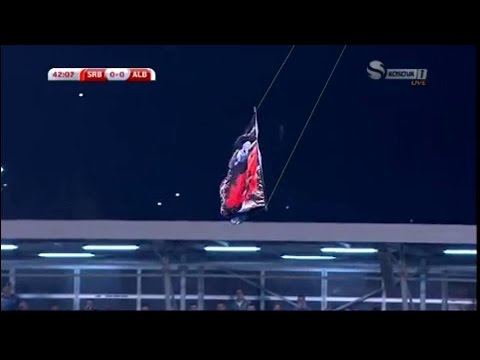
pixel 102 74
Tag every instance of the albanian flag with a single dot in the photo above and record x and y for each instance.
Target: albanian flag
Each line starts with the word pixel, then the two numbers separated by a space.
pixel 243 189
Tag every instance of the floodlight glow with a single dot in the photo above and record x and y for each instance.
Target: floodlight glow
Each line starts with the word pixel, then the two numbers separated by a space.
pixel 232 248
pixel 110 247
pixel 66 255
pixel 307 257
pixel 334 250
pixel 460 252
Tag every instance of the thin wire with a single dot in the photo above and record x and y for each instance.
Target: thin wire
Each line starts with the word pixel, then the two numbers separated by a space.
pixel 275 77
pixel 304 128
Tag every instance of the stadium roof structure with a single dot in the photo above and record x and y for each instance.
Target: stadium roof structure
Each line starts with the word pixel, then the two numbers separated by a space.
pixel 250 231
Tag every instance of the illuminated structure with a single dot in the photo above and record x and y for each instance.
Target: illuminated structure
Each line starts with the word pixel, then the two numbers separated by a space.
pixel 173 265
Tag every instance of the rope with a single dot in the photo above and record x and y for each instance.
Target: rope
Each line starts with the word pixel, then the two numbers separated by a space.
pixel 275 77
pixel 304 128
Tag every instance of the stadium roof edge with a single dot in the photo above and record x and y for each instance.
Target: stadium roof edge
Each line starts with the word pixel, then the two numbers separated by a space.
pixel 250 231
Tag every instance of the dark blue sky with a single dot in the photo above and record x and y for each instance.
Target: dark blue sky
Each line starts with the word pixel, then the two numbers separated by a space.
pixel 376 151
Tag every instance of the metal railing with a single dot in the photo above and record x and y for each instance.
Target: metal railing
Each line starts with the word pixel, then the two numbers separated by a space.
pixel 321 299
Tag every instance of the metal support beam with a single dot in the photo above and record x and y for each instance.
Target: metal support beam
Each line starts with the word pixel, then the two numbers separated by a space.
pixel 410 298
pixel 139 289
pixel 76 289
pixel 403 280
pixel 12 278
pixel 444 295
pixel 385 259
pixel 82 230
pixel 384 296
pixel 183 284
pixel 360 299
pixel 262 290
pixel 324 287
pixel 404 291
pixel 167 281
pixel 201 288
pixel 341 267
pixel 423 285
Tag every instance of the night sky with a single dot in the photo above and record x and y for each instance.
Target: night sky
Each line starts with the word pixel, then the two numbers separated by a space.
pixel 375 151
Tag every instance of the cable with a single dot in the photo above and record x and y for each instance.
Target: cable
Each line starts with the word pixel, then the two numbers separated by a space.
pixel 304 127
pixel 275 77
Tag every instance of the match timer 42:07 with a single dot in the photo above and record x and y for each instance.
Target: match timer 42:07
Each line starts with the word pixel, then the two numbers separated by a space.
pixel 102 74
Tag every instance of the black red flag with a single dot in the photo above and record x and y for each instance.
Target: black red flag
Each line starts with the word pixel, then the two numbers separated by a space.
pixel 243 189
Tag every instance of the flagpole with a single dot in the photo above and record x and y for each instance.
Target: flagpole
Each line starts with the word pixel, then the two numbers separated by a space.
pixel 258 144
